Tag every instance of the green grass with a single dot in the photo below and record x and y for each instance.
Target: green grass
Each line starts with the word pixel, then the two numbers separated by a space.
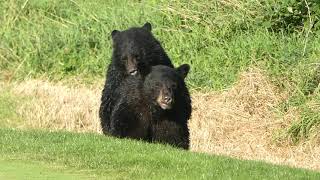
pixel 123 159
pixel 71 40
pixel 8 108
pixel 14 169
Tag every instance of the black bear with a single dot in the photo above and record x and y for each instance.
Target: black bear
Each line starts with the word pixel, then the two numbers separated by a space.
pixel 135 50
pixel 155 109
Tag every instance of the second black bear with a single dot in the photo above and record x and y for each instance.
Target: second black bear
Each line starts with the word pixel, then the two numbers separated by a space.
pixel 135 50
pixel 155 109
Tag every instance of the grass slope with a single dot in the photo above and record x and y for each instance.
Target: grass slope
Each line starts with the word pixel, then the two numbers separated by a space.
pixel 71 40
pixel 113 158
pixel 13 169
pixel 59 39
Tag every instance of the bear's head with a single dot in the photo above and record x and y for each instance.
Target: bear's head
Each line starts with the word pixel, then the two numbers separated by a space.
pixel 165 85
pixel 136 49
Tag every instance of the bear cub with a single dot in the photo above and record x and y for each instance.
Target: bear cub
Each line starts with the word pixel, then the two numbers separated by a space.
pixel 155 108
pixel 135 50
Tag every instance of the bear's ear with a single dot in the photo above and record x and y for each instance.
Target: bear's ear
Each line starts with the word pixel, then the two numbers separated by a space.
pixel 114 32
pixel 147 26
pixel 183 70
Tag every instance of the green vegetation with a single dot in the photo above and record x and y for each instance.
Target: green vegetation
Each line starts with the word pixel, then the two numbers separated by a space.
pixel 109 157
pixel 8 107
pixel 13 169
pixel 67 39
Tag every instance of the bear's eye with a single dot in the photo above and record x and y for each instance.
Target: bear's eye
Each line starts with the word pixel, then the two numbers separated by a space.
pixel 174 86
pixel 141 64
pixel 158 84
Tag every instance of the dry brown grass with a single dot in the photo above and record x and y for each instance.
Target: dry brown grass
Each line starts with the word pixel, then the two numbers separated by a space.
pixel 242 121
pixel 239 122
pixel 55 106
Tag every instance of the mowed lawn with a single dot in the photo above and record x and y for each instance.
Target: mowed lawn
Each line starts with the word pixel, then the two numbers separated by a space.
pixel 72 155
pixel 17 169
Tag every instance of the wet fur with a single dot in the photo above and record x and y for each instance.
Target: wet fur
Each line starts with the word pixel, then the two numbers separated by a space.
pixel 136 41
pixel 137 114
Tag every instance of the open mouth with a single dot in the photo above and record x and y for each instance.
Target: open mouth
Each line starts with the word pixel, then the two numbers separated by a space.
pixel 133 72
pixel 165 106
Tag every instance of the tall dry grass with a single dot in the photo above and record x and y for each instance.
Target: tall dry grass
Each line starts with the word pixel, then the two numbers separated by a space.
pixel 55 106
pixel 243 122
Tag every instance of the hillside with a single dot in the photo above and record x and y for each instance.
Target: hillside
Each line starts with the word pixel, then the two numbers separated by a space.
pixel 104 157
pixel 255 69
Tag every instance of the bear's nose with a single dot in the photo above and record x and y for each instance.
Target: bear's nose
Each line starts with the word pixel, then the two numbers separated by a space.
pixel 167 99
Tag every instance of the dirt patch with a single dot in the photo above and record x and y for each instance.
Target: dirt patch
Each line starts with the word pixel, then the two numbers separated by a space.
pixel 240 122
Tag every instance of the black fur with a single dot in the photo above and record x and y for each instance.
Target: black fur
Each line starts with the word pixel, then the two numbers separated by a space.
pixel 138 45
pixel 138 115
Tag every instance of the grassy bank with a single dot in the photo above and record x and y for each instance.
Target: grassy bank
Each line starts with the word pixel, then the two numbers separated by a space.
pixel 16 169
pixel 110 157
pixel 71 40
